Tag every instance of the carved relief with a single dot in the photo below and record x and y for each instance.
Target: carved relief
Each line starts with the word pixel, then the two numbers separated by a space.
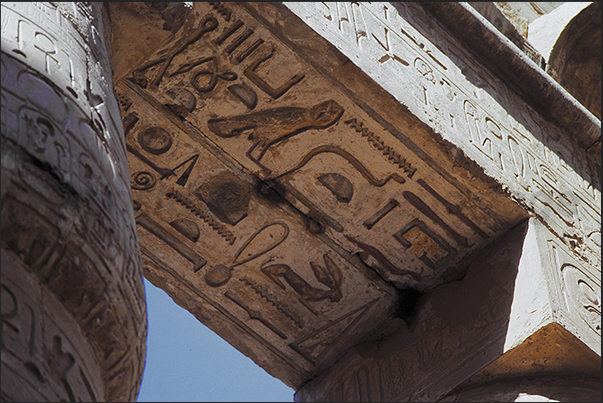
pixel 430 248
pixel 582 296
pixel 156 229
pixel 254 247
pixel 362 187
pixel 330 275
pixel 339 185
pixel 269 127
pixel 313 345
pixel 166 56
pixel 499 131
pixel 226 196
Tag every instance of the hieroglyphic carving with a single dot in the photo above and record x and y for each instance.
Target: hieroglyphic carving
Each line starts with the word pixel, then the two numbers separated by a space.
pixel 577 285
pixel 313 345
pixel 166 56
pixel 158 141
pixel 374 219
pixel 45 350
pixel 253 314
pixel 501 132
pixel 331 277
pixel 143 180
pixel 251 73
pixel 272 300
pixel 226 196
pixel 425 209
pixel 431 248
pixel 69 172
pixel 582 295
pixel 393 156
pixel 219 275
pixel 339 185
pixel 183 197
pixel 155 140
pixel 244 94
pixel 370 251
pixel 453 209
pixel 348 157
pixel 212 72
pixel 187 228
pixel 156 229
pixel 272 126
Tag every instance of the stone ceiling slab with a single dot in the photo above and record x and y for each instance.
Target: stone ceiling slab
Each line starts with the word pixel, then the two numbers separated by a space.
pixel 283 196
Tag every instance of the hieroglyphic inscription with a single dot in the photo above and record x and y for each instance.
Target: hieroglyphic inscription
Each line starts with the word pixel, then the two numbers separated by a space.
pixel 272 300
pixel 235 277
pixel 254 314
pixel 272 126
pixel 313 345
pixel 330 275
pixel 393 203
pixel 183 197
pixel 392 155
pixel 348 157
pixel 160 232
pixel 432 248
pixel 529 155
pixel 576 288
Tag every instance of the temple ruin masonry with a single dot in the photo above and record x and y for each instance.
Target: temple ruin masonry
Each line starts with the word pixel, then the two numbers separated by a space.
pixel 372 201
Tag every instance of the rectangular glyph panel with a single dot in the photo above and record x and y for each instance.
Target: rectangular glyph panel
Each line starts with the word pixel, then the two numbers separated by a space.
pixel 206 231
pixel 257 100
pixel 402 48
pixel 272 201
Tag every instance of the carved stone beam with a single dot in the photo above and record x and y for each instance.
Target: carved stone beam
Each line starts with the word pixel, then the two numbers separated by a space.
pixel 525 321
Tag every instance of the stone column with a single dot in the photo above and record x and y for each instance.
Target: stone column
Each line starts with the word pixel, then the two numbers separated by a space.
pixel 73 308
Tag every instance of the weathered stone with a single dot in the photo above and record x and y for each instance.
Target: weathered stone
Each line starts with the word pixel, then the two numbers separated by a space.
pixel 73 306
pixel 373 201
pixel 526 309
pixel 322 165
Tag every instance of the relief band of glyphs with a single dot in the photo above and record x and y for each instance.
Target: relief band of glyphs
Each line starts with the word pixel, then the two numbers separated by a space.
pixel 250 277
pixel 235 111
pixel 290 128
pixel 536 160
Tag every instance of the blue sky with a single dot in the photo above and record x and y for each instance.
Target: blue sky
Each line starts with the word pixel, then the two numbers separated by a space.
pixel 186 361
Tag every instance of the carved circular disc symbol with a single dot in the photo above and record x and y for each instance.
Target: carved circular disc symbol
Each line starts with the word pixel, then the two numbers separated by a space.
pixel 155 140
pixel 218 275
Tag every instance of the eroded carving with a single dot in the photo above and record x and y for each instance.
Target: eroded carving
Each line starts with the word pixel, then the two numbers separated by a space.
pixel 330 275
pixel 272 300
pixel 156 229
pixel 253 314
pixel 421 241
pixel 166 56
pixel 339 185
pixel 313 345
pixel 385 210
pixel 272 126
pixel 226 196
pixel 185 198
